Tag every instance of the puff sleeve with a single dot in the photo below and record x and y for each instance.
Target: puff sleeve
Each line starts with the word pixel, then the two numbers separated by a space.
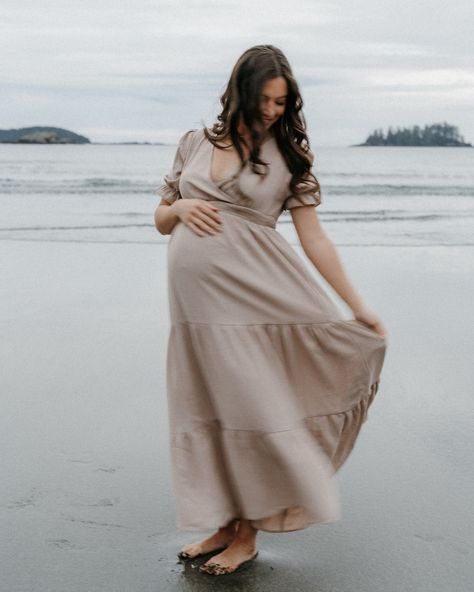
pixel 169 189
pixel 310 198
pixel 307 193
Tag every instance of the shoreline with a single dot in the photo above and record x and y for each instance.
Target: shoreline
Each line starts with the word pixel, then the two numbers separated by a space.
pixel 87 500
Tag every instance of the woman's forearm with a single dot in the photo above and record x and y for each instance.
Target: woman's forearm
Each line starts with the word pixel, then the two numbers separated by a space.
pixel 324 256
pixel 166 218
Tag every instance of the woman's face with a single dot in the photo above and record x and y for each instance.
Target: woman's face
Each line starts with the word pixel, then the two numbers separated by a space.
pixel 273 100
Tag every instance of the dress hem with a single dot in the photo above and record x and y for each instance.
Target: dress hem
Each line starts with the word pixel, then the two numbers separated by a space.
pixel 307 508
pixel 222 523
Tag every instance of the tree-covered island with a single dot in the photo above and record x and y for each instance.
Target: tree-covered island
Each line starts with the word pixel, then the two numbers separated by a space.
pixel 436 134
pixel 41 135
pixel 51 135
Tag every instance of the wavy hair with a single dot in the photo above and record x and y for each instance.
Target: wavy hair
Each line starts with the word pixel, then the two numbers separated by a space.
pixel 253 69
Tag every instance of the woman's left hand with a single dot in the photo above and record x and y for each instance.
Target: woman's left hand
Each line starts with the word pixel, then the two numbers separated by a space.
pixel 371 319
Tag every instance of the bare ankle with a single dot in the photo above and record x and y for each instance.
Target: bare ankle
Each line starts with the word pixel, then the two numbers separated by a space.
pixel 246 535
pixel 231 527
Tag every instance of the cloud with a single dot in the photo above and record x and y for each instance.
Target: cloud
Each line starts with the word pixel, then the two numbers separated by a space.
pixel 159 67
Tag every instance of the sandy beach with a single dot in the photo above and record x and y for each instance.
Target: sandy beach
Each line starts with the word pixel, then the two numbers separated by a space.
pixel 86 501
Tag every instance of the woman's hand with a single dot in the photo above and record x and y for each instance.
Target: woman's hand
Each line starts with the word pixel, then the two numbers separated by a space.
pixel 198 215
pixel 372 320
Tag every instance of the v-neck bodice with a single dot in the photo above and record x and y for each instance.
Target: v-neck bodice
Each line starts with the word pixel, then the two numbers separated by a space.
pixel 190 177
pixel 236 173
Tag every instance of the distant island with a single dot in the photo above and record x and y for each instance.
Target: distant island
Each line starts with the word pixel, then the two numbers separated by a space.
pixel 51 135
pixel 436 134
pixel 41 135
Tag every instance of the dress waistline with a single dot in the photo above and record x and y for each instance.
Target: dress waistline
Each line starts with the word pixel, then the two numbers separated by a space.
pixel 244 212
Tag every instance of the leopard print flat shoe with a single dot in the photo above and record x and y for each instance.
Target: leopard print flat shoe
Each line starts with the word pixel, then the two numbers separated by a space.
pixel 215 569
pixel 184 556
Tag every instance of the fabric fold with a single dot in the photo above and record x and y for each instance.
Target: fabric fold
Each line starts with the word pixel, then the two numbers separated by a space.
pixel 265 445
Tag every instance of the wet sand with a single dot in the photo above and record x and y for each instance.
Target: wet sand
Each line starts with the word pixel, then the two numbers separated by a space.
pixel 86 502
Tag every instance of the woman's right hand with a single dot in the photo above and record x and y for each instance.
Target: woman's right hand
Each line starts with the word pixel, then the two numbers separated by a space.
pixel 198 215
pixel 369 318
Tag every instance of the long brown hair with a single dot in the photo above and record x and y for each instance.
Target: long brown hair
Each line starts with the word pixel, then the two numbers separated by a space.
pixel 242 98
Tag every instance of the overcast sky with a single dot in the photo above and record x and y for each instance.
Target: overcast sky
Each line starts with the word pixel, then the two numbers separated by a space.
pixel 126 70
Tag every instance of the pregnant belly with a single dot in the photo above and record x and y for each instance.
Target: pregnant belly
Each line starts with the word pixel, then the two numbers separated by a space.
pixel 245 274
pixel 193 258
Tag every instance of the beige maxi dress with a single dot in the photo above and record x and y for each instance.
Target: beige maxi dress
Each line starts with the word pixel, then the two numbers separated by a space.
pixel 267 384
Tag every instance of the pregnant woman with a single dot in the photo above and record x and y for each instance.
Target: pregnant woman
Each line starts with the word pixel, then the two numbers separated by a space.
pixel 268 384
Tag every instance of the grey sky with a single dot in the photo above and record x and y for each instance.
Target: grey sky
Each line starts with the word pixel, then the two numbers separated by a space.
pixel 143 70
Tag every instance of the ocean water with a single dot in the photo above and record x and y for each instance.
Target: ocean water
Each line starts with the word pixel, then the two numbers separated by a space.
pixel 102 193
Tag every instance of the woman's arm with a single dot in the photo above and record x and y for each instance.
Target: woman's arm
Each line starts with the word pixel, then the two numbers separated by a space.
pixel 166 217
pixel 322 253
pixel 201 217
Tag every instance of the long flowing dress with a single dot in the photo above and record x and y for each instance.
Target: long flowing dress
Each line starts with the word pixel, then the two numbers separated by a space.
pixel 267 384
